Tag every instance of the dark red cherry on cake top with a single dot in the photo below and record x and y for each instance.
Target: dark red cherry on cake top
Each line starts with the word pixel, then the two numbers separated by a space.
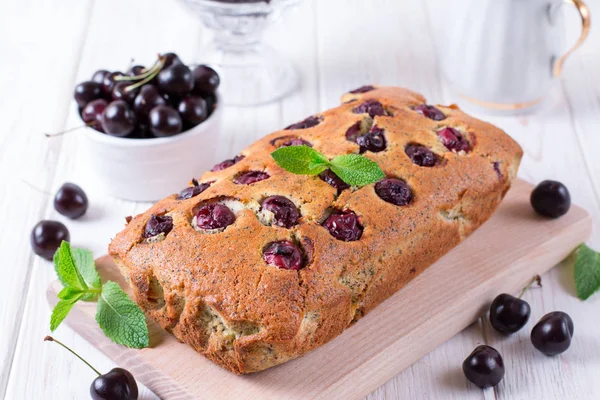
pixel 306 123
pixel 373 141
pixel 285 213
pixel 344 226
pixel 227 163
pixel 251 177
pixel 363 89
pixel 330 177
pixel 371 107
pixel 158 224
pixel 214 216
pixel 430 112
pixel 453 139
pixel 394 191
pixel 293 142
pixel 194 190
pixel 421 155
pixel 283 254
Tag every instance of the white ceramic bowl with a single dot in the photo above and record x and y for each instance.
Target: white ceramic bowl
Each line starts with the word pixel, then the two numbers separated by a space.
pixel 150 169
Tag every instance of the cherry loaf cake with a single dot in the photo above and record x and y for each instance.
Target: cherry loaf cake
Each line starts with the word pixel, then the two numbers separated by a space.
pixel 253 266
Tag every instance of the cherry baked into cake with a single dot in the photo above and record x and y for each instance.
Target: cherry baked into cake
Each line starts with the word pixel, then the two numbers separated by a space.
pixel 253 266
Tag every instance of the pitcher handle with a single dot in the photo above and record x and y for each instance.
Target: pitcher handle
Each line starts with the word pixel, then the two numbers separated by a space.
pixel 584 11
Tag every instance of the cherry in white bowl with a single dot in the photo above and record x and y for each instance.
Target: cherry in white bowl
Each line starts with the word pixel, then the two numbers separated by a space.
pixel 150 169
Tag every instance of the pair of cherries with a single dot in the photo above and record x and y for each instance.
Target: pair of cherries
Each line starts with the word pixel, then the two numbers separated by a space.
pixel 47 235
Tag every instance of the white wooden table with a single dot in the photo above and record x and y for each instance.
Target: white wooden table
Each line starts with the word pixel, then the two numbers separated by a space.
pixel 46 46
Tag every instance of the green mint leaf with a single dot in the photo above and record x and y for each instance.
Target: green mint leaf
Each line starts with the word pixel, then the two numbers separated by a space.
pixel 84 261
pixel 356 170
pixel 301 160
pixel 65 267
pixel 69 293
pixel 587 272
pixel 120 318
pixel 61 310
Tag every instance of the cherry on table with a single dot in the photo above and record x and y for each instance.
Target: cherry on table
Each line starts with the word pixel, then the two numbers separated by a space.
pixel 551 199
pixel 165 121
pixel 117 384
pixel 46 237
pixel 553 333
pixel 71 201
pixel 508 313
pixel 484 366
pixel 86 92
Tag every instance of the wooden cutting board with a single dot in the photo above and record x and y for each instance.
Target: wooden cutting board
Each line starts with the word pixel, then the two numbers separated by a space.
pixel 502 256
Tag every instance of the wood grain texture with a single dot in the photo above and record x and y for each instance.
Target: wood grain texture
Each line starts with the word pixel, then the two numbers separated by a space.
pixel 502 256
pixel 48 45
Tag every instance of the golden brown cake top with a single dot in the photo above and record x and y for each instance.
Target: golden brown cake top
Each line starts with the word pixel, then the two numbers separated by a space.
pixel 434 156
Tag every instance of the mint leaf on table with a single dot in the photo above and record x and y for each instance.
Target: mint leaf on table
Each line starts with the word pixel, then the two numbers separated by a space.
pixel 61 310
pixel 587 272
pixel 120 318
pixel 302 160
pixel 356 170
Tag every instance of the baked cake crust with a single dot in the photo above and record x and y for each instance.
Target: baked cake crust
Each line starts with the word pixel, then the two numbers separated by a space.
pixel 214 291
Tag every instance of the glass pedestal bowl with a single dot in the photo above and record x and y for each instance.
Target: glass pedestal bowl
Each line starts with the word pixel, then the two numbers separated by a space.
pixel 252 73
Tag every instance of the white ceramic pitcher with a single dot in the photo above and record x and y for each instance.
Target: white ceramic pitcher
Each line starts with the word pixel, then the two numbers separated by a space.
pixel 504 55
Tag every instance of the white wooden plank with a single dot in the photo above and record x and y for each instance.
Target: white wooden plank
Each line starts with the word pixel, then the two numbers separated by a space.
pixel 36 80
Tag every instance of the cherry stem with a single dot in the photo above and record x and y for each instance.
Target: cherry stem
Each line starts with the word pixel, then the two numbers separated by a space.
pixel 56 134
pixel 51 339
pixel 147 72
pixel 535 279
pixel 151 74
